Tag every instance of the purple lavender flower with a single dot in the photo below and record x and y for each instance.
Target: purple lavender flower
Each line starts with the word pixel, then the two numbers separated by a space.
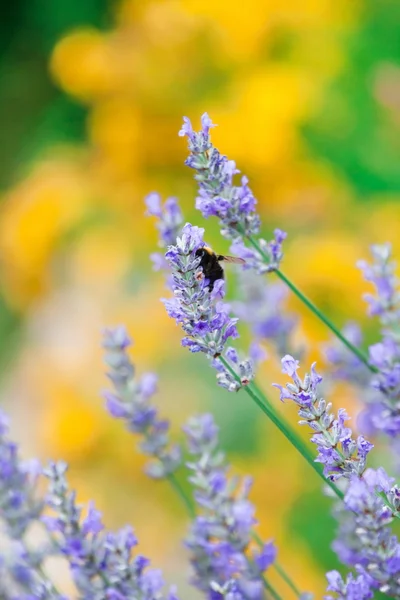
pixel 234 205
pixel 262 307
pixel 367 542
pixel 347 366
pixel 169 222
pixel 220 535
pixel 204 318
pixel 352 588
pixel 386 302
pixel 21 507
pixel 383 411
pixel 19 503
pixel 341 455
pixel 130 401
pixel 101 562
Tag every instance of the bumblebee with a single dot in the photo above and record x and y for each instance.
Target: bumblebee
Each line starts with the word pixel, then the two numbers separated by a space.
pixel 210 263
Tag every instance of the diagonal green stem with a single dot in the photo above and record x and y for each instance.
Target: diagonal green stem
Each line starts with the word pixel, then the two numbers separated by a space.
pixel 263 403
pixel 182 494
pixel 359 353
pixel 273 593
pixel 288 580
pixel 320 315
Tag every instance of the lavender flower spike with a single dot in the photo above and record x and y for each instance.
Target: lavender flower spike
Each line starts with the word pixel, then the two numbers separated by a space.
pixel 21 506
pixel 262 306
pixel 368 543
pixel 130 401
pixel 169 222
pixel 101 563
pixel 353 588
pixel 203 316
pixel 341 455
pixel 386 302
pixel 234 205
pixel 220 535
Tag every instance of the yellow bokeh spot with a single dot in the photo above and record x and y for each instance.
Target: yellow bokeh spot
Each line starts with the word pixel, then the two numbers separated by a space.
pixel 116 132
pixel 259 127
pixel 71 427
pixel 83 64
pixel 33 218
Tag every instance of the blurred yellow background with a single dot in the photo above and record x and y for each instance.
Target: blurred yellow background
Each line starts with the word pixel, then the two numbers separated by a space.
pixel 306 96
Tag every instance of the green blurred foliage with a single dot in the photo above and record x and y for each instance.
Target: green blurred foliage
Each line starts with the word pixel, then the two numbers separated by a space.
pixel 352 131
pixel 34 113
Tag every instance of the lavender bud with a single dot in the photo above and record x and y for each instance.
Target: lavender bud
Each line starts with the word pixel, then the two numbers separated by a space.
pixel 234 205
pixel 130 401
pixel 341 455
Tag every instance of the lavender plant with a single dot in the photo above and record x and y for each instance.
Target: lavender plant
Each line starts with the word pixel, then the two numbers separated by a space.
pixel 221 533
pixel 101 562
pixel 229 560
pixel 239 221
pixel 169 222
pixel 262 306
pixel 233 205
pixel 204 318
pixel 21 508
pixel 383 411
pixel 338 451
pixel 365 540
pixel 130 401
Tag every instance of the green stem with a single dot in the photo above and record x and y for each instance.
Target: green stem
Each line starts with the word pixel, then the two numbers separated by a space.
pixel 320 315
pixel 263 403
pixel 287 579
pixel 182 494
pixel 274 594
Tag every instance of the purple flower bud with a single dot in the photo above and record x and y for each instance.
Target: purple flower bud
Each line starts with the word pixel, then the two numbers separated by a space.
pixel 130 401
pixel 289 365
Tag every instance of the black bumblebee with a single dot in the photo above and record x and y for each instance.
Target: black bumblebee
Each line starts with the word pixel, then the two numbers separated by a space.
pixel 210 263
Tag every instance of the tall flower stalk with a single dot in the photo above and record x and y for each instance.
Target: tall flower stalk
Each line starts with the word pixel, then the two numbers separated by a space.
pixel 383 410
pixel 120 336
pixel 202 314
pixel 21 507
pixel 221 533
pixel 130 401
pixel 234 205
pixel 101 562
pixel 365 539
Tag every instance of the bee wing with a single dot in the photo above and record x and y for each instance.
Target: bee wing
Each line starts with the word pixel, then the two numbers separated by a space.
pixel 233 259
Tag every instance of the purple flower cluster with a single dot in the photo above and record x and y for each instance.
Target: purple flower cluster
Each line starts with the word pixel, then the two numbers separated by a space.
pixel 352 588
pixel 220 535
pixel 383 410
pixel 169 223
pixel 130 401
pixel 365 540
pixel 101 562
pixel 20 508
pixel 19 504
pixel 341 455
pixel 235 206
pixel 262 306
pixel 204 318
pixel 347 366
pixel 386 302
